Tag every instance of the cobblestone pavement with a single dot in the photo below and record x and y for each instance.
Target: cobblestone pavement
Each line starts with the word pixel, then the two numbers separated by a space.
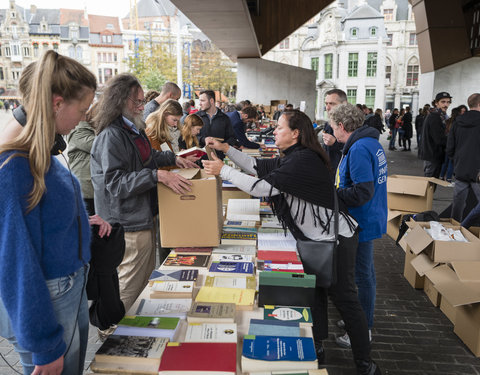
pixel 410 335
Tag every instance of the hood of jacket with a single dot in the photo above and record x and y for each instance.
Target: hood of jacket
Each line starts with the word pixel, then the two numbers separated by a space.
pixel 363 132
pixel 469 119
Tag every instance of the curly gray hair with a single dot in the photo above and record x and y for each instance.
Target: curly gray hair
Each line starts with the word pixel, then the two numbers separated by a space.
pixel 350 116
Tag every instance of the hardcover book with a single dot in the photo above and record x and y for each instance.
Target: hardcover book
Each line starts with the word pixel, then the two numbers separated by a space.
pixel 192 151
pixel 242 282
pixel 261 353
pixel 280 266
pixel 211 332
pixel 286 313
pixel 175 261
pixel 231 268
pixel 174 275
pixel 242 298
pixel 172 289
pixel 211 312
pixel 147 326
pixel 130 349
pixel 277 256
pixel 189 358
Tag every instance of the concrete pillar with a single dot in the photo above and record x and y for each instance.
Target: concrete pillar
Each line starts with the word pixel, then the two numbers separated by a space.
pixel 260 81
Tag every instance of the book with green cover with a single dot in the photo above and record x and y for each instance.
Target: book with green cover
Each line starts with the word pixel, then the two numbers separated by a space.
pixel 287 313
pixel 212 312
pixel 150 326
pixel 242 282
pixel 287 279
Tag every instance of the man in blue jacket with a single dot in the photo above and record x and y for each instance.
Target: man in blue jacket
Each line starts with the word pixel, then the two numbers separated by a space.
pixel 239 120
pixel 361 181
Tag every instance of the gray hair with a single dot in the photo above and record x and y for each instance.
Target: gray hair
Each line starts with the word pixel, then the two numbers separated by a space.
pixel 350 116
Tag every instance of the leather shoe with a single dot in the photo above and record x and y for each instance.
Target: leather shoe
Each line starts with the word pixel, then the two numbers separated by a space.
pixel 320 352
pixel 367 368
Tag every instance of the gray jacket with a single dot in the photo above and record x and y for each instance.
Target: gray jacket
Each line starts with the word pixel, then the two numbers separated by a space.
pixel 123 184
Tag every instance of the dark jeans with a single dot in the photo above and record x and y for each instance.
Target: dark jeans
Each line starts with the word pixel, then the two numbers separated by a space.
pixel 447 169
pixel 344 297
pixel 460 194
pixel 432 168
pixel 392 140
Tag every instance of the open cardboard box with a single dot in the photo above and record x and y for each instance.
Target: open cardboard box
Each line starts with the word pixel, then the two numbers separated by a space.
pixel 442 251
pixel 411 193
pixel 463 293
pixel 442 274
pixel 394 219
pixel 410 274
pixel 194 219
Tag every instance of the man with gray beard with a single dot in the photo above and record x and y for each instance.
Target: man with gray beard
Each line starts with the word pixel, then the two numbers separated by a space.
pixel 125 174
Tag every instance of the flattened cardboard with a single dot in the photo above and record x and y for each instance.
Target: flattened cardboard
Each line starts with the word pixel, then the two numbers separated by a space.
pixel 194 219
pixel 411 193
pixel 422 264
pixel 467 272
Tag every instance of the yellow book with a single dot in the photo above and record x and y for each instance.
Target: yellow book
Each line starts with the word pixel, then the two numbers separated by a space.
pixel 242 298
pixel 238 282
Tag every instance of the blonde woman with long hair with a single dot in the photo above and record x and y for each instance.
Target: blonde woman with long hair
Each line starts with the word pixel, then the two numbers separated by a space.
pixel 44 231
pixel 163 126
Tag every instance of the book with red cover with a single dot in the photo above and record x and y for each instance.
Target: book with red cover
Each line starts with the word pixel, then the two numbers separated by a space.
pixel 280 265
pixel 193 151
pixel 192 357
pixel 193 250
pixel 274 255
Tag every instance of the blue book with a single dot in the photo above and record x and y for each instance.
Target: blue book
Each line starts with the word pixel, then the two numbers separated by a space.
pixel 231 268
pixel 260 327
pixel 272 353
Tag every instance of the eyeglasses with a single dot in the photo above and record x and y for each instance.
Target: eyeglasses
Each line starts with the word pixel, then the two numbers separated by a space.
pixel 138 103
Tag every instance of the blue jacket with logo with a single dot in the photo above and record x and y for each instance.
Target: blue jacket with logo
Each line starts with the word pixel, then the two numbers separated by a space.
pixel 362 182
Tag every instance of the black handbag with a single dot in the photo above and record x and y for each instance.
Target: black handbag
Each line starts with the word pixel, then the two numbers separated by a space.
pixel 319 257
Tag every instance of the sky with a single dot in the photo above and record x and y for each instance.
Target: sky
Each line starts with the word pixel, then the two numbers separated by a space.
pixel 117 8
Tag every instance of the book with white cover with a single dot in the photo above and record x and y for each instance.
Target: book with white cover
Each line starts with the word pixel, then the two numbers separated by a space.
pixel 161 307
pixel 231 258
pixel 172 289
pixel 235 249
pixel 243 209
pixel 277 245
pixel 211 332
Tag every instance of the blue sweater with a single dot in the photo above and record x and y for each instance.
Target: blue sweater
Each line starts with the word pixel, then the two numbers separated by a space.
pixel 38 246
pixel 362 182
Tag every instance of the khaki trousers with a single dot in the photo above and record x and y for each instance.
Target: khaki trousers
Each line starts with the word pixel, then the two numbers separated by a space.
pixel 137 265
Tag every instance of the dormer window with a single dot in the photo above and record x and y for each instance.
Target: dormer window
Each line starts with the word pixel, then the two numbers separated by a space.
pixel 13 15
pixel 354 32
pixel 373 31
pixel 109 26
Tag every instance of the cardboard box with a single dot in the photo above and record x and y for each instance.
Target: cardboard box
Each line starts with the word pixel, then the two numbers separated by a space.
pixel 194 219
pixel 431 292
pixel 394 219
pixel 448 310
pixel 437 276
pixel 475 231
pixel 412 276
pixel 443 251
pixel 411 193
pixel 277 102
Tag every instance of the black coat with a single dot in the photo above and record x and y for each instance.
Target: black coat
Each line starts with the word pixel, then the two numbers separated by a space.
pixel 334 151
pixel 219 126
pixel 463 146
pixel 434 138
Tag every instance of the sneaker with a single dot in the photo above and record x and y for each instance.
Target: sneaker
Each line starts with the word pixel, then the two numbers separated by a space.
pixel 344 341
pixel 451 184
pixel 341 324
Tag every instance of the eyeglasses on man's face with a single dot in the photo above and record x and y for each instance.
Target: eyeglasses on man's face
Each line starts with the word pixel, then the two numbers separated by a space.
pixel 138 103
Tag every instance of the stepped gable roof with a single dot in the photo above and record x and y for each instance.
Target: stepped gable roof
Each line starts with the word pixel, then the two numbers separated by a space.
pixel 402 7
pixel 73 16
pixel 363 11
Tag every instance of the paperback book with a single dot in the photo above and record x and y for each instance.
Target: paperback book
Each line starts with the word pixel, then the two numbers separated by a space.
pixel 172 289
pixel 176 261
pixel 239 238
pixel 147 326
pixel 241 282
pixel 211 332
pixel 286 313
pixel 260 327
pixel 217 257
pixel 243 209
pixel 235 249
pixel 193 250
pixel 211 312
pixel 242 298
pixel 161 307
pixel 231 268
pixel 280 266
pixel 239 224
pixel 174 275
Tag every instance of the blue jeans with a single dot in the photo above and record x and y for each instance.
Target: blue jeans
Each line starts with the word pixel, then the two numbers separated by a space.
pixel 365 279
pixel 69 301
pixel 392 140
pixel 447 169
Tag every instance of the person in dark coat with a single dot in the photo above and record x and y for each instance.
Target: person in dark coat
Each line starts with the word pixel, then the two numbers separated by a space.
pixel 239 120
pixel 408 130
pixel 331 145
pixel 434 138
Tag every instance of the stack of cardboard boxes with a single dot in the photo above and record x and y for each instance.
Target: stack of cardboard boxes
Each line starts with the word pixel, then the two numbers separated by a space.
pixel 447 271
pixel 273 107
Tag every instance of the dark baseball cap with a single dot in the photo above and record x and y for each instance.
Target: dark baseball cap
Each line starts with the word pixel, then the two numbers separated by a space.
pixel 442 95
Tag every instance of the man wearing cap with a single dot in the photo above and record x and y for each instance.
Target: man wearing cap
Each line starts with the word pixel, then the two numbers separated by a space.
pixel 434 138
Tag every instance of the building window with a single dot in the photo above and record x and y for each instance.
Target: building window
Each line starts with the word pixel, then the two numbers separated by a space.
pixel 373 31
pixel 413 39
pixel 352 96
pixel 412 75
pixel 372 64
pixel 115 57
pixel 79 53
pixel 388 72
pixel 354 32
pixel 370 98
pixel 285 43
pixel 353 64
pixel 389 39
pixel 109 38
pixel 328 66
pixel 100 77
pixel 1 74
pixel 55 47
pixel 7 51
pixel 73 34
pixel 388 14
pixel 26 51
pixel 108 73
pixel 35 49
pixel 314 65
pixel 99 56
